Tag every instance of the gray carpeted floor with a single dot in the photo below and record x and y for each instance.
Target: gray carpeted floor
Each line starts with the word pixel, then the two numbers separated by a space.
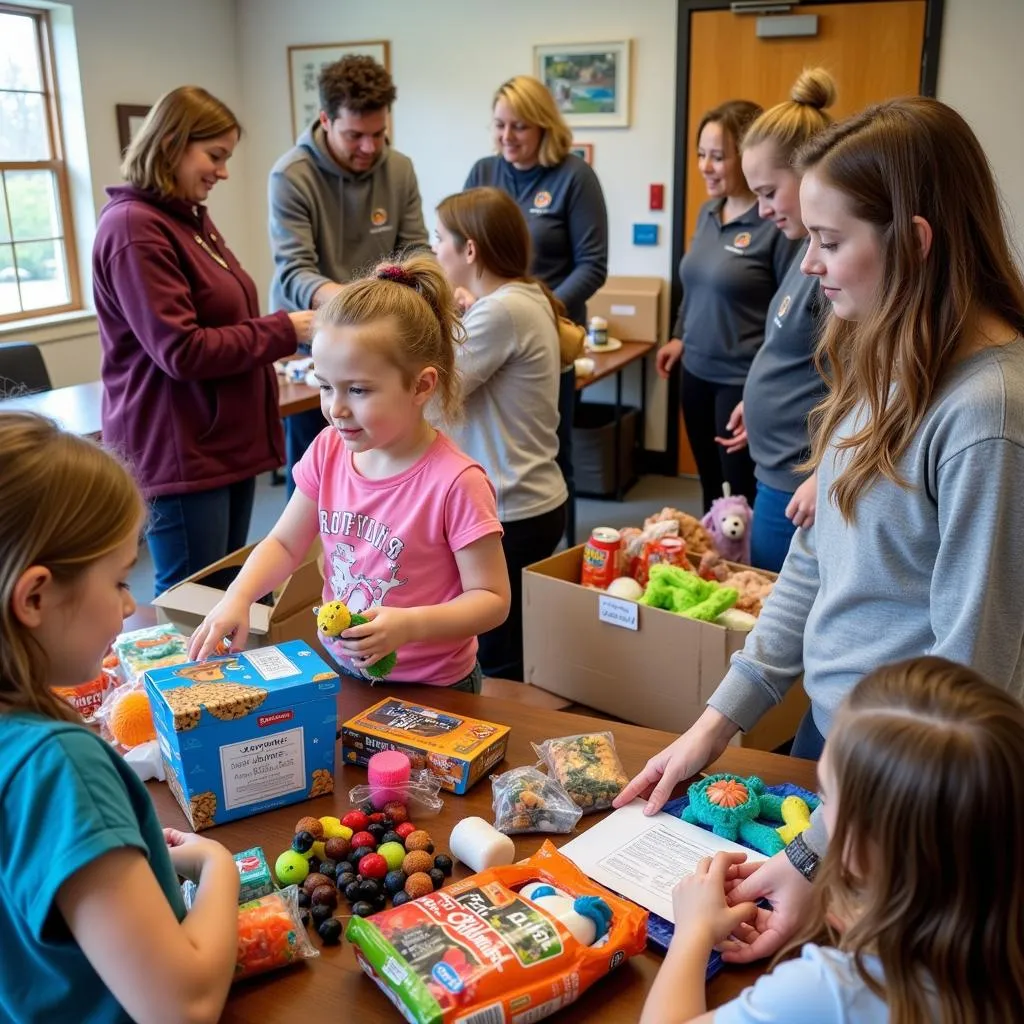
pixel 649 495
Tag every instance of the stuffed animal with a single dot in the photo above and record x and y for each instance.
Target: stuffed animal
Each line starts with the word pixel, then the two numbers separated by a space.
pixel 334 617
pixel 728 522
pixel 697 538
pixel 685 593
pixel 752 586
pixel 588 918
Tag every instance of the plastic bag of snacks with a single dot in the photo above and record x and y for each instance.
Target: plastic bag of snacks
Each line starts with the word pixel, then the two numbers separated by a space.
pixel 151 647
pixel 271 934
pixel 587 766
pixel 86 698
pixel 527 800
pixel 517 942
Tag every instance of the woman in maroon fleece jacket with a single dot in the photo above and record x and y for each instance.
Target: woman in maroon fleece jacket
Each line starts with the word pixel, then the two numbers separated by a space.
pixel 190 395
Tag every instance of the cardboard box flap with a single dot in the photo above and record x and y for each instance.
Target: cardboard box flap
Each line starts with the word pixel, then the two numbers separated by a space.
pixel 199 600
pixel 294 595
pixel 266 680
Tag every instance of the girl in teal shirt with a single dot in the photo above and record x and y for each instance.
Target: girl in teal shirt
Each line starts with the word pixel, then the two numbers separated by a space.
pixel 90 907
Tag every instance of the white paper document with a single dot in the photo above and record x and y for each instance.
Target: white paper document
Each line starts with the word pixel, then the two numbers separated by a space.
pixel 642 858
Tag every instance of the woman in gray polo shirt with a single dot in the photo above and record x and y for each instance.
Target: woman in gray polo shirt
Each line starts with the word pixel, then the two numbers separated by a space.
pixel 783 384
pixel 732 269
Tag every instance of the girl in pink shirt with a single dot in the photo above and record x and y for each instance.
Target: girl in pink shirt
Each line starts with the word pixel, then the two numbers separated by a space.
pixel 409 524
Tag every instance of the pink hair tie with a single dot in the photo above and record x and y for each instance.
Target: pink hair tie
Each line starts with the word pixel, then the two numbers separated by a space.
pixel 393 272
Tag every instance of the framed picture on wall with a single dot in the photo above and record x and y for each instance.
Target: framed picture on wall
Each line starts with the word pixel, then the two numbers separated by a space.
pixel 129 120
pixel 304 66
pixel 584 150
pixel 589 81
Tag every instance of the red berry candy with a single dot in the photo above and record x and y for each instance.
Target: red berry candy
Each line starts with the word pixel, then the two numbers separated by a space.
pixel 363 839
pixel 377 818
pixel 373 865
pixel 355 820
pixel 405 828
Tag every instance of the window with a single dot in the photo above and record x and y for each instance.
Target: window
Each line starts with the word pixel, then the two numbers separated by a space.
pixel 38 269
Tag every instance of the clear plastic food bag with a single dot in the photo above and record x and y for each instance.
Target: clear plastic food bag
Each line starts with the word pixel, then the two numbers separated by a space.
pixel 271 934
pixel 527 800
pixel 419 794
pixel 588 766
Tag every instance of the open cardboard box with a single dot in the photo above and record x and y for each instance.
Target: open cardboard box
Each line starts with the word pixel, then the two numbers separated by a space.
pixel 286 615
pixel 631 305
pixel 659 675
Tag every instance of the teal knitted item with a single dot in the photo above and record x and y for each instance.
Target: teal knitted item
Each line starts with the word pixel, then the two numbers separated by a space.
pixel 740 821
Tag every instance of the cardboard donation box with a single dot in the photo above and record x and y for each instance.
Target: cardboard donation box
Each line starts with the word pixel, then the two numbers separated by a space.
pixel 246 733
pixel 641 664
pixel 456 749
pixel 287 614
pixel 632 307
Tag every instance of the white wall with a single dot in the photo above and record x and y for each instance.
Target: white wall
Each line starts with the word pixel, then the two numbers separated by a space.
pixel 981 74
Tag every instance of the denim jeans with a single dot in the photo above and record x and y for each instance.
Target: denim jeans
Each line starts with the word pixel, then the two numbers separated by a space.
pixel 189 531
pixel 771 531
pixel 300 431
pixel 808 742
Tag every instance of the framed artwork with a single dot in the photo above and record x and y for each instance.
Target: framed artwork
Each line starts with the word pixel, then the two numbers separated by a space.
pixel 589 81
pixel 129 120
pixel 584 150
pixel 304 65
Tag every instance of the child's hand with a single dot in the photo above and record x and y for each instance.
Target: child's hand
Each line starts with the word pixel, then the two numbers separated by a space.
pixel 229 618
pixel 190 853
pixel 699 900
pixel 386 630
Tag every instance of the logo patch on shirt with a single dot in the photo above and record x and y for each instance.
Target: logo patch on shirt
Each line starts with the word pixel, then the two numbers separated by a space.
pixel 379 217
pixel 780 313
pixel 739 243
pixel 542 200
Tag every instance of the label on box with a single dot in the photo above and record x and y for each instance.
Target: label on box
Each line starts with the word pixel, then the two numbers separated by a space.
pixel 617 612
pixel 271 663
pixel 261 769
pixel 623 310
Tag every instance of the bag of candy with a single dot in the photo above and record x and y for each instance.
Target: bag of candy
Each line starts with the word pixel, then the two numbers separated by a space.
pixel 588 766
pixel 527 800
pixel 271 934
pixel 516 942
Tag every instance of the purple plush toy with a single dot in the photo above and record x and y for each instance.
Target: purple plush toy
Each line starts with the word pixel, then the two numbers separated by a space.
pixel 728 522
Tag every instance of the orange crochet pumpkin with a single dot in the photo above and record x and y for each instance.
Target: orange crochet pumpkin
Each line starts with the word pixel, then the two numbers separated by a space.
pixel 131 719
pixel 727 793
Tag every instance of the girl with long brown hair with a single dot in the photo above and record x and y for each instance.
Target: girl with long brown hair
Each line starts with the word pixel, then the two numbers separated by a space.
pixel 917 913
pixel 918 543
pixel 509 368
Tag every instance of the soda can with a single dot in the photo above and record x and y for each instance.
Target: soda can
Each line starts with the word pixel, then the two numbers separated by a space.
pixel 601 557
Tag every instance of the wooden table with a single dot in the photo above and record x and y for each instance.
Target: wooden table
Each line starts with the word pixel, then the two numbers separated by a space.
pixel 78 408
pixel 334 988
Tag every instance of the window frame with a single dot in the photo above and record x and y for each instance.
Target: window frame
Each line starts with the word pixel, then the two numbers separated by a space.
pixel 56 165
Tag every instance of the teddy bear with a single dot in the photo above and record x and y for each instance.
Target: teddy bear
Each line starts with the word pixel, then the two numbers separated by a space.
pixel 728 522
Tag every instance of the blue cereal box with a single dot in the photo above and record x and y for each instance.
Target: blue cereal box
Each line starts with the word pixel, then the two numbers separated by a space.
pixel 246 733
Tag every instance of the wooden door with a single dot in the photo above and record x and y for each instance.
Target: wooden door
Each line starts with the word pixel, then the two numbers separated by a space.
pixel 872 50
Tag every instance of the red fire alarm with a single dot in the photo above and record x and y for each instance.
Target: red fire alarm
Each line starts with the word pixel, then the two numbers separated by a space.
pixel 657 197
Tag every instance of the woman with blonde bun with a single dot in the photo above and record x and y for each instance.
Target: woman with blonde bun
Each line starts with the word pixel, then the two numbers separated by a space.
pixel 783 384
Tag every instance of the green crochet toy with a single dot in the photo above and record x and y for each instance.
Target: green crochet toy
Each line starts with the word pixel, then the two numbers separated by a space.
pixel 334 617
pixel 685 593
pixel 729 805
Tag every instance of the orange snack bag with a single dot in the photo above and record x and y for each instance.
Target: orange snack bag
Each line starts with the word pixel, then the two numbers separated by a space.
pixel 86 698
pixel 502 943
pixel 270 934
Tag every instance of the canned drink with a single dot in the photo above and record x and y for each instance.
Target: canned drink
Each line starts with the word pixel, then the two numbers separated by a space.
pixel 597 335
pixel 601 557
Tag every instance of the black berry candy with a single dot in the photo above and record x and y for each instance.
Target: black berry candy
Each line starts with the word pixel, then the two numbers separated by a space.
pixel 345 865
pixel 368 890
pixel 387 824
pixel 394 881
pixel 363 909
pixel 376 830
pixel 359 854
pixel 352 891
pixel 346 879
pixel 444 863
pixel 437 877
pixel 321 914
pixel 399 898
pixel 328 868
pixel 314 864
pixel 391 837
pixel 330 931
pixel 303 842
pixel 367 808
pixel 380 902
pixel 304 900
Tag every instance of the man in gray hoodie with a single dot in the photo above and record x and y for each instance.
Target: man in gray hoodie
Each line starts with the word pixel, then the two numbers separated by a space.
pixel 340 200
